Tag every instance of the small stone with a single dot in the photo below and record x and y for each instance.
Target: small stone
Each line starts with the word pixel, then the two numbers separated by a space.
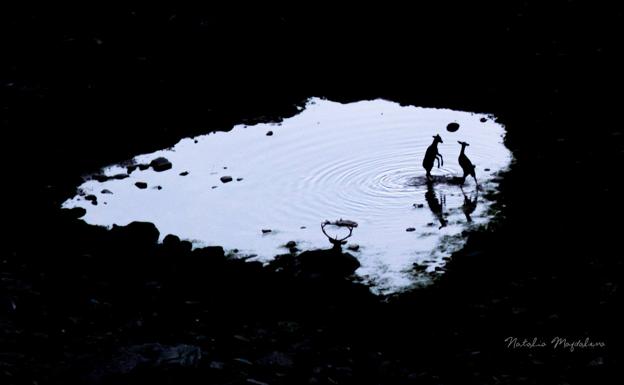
pixel 270 133
pixel 303 227
pixel 239 179
pixel 243 361
pixel 120 176
pixel 106 191
pixel 195 141
pixel 91 198
pixel 226 179
pixel 217 365
pixel 419 205
pixel 160 164
pixel 214 187
pixel 143 167
pixel 486 169
pixel 266 231
pixel 184 173
pixel 483 120
pixel 141 185
pixel 241 338
pixel 100 177
pixel 130 169
pixel 256 382
pixel 157 187
pixel 410 229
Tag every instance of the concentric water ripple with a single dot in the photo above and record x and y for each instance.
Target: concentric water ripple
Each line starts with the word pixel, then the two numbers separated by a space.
pixel 358 161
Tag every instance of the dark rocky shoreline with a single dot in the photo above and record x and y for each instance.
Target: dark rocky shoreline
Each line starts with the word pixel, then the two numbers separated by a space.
pixel 80 304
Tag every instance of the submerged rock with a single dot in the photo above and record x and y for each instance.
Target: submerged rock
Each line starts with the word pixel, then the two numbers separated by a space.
pixel 160 164
pixel 266 231
pixel 270 133
pixel 226 179
pixel 184 173
pixel 141 185
pixel 410 229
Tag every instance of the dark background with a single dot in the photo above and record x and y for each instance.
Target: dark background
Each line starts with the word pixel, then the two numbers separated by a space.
pixel 83 88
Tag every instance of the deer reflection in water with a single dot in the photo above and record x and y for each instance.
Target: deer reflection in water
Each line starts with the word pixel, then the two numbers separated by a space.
pixel 470 204
pixel 436 205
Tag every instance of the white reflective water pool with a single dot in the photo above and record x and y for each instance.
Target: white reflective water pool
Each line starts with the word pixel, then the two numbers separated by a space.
pixel 358 161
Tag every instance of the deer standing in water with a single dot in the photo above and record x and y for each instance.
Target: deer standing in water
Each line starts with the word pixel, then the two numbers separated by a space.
pixel 466 164
pixel 337 243
pixel 432 155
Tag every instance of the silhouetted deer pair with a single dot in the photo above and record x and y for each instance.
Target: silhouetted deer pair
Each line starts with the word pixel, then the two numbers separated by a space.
pixel 432 155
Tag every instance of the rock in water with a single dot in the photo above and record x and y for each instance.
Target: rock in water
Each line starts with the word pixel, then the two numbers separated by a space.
pixel 226 179
pixel 141 185
pixel 161 164
pixel 353 247
pixel 452 127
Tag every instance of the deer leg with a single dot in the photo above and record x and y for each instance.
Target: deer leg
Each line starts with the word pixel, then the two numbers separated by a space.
pixel 441 159
pixel 438 159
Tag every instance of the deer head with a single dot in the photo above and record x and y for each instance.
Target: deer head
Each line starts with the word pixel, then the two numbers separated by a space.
pixel 337 243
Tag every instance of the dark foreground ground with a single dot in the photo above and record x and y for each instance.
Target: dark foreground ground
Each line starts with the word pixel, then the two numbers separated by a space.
pixel 80 304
